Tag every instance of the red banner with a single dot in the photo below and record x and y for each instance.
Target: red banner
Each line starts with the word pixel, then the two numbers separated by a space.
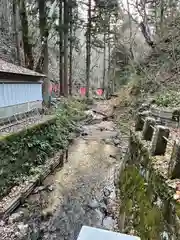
pixel 83 91
pixel 50 88
pixel 55 88
pixel 99 92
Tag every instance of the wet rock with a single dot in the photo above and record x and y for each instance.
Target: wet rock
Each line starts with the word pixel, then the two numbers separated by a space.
pixel 44 227
pixel 46 236
pixel 103 208
pixel 46 214
pixel 113 156
pixel 105 200
pixel 144 107
pixel 111 206
pixel 23 228
pixel 89 112
pixel 123 149
pixel 36 234
pixel 93 204
pixel 50 188
pixel 100 215
pixel 39 189
pixel 2 223
pixel 99 218
pixel 116 141
pixel 85 133
pixel 106 192
pixel 79 129
pixel 108 223
pixel 102 129
pixel 107 141
pixel 18 235
pixel 95 121
pixel 113 193
pixel 16 217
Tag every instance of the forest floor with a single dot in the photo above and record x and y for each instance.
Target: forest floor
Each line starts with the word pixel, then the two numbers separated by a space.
pixel 82 192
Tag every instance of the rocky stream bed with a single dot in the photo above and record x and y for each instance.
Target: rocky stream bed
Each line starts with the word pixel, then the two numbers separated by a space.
pixel 82 192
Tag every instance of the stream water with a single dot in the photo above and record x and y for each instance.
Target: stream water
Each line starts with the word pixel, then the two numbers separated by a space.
pixel 82 192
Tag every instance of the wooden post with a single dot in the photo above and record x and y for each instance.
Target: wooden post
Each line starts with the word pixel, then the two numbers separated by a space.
pixel 159 142
pixel 66 156
pixel 148 128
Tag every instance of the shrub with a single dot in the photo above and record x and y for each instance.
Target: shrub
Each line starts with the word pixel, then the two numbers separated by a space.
pixel 22 152
pixel 168 99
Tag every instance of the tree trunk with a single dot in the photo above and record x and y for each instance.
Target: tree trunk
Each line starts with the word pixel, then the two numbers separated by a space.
pixel 161 17
pixel 66 25
pixel 71 48
pixel 42 65
pixel 130 31
pixel 28 53
pixel 110 79
pixel 146 35
pixel 16 31
pixel 88 50
pixel 61 50
pixel 104 63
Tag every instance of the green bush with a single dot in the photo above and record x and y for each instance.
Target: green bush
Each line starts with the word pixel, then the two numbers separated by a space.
pixel 21 153
pixel 168 99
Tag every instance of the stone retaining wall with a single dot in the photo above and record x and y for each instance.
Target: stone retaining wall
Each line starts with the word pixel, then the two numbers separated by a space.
pixel 146 189
pixel 22 152
pixel 168 117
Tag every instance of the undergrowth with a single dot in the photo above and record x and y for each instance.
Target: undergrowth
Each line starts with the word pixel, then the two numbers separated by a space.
pixel 23 153
pixel 168 99
pixel 158 72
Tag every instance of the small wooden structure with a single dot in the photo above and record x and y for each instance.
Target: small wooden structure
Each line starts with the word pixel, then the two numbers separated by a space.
pixel 20 90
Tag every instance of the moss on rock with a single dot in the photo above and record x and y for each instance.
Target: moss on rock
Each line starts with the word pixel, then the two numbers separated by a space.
pixel 146 199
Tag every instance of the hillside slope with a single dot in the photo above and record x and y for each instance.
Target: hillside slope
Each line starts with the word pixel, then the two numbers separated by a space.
pixel 159 74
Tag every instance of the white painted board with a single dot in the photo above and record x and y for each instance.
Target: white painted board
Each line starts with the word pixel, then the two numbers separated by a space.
pixel 90 233
pixel 18 93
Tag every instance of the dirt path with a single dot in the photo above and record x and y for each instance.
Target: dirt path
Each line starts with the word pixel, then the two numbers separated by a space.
pixel 81 193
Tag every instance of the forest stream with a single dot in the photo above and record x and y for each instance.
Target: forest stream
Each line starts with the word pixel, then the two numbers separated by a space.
pixel 82 192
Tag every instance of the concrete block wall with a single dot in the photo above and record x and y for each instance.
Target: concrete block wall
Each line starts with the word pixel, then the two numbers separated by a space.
pixel 9 111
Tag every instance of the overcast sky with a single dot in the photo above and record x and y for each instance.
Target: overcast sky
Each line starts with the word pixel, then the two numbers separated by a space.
pixel 122 3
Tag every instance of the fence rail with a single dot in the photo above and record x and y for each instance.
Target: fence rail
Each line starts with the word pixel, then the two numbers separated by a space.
pixel 19 119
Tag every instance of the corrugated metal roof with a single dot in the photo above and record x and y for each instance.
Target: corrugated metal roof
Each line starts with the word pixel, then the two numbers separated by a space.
pixel 6 67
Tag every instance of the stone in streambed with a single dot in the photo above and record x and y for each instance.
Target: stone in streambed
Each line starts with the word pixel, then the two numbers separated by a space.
pixel 16 217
